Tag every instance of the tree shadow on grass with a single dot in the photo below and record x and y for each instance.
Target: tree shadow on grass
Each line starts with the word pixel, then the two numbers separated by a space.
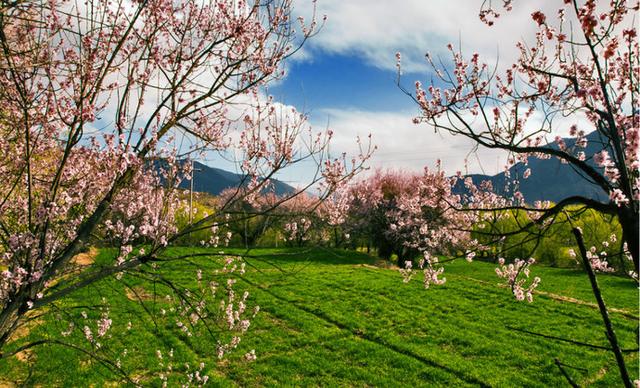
pixel 315 255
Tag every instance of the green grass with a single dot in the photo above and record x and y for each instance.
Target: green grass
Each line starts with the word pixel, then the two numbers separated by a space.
pixel 331 318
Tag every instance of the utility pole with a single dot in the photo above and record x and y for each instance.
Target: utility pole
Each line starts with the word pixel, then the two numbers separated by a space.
pixel 193 173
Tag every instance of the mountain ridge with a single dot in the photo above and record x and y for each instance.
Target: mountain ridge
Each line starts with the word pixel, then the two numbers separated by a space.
pixel 212 180
pixel 550 179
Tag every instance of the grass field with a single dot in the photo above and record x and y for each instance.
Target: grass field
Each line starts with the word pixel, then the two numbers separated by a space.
pixel 334 318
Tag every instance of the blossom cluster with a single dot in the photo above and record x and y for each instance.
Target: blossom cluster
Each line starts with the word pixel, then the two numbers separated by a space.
pixel 517 274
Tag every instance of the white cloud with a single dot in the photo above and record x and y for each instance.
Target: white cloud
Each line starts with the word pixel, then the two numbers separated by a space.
pixel 376 30
pixel 404 145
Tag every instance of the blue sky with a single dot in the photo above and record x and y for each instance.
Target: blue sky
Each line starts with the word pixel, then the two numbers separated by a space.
pixel 341 81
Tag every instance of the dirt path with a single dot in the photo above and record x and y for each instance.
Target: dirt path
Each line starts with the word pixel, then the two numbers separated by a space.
pixel 86 258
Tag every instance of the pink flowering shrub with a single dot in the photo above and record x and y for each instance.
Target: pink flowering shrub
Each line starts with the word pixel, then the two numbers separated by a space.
pixel 370 213
pixel 426 217
pixel 416 217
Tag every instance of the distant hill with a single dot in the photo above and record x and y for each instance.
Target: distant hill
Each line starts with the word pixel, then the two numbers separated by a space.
pixel 213 180
pixel 550 179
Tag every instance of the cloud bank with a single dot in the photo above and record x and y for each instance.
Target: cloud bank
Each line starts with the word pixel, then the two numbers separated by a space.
pixel 376 30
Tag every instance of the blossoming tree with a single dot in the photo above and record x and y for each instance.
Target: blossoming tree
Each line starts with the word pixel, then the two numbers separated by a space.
pixel 93 95
pixel 583 63
pixel 590 75
pixel 426 220
pixel 372 202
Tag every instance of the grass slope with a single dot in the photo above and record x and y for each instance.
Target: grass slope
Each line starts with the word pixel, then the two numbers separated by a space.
pixel 332 318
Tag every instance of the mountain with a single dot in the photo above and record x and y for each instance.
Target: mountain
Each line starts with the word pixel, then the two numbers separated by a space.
pixel 550 178
pixel 213 180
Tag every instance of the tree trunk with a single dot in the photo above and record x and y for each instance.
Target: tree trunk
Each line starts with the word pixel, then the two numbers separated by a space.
pixel 8 323
pixel 11 314
pixel 628 218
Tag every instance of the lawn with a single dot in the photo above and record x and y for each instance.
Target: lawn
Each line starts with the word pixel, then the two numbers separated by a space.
pixel 335 318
